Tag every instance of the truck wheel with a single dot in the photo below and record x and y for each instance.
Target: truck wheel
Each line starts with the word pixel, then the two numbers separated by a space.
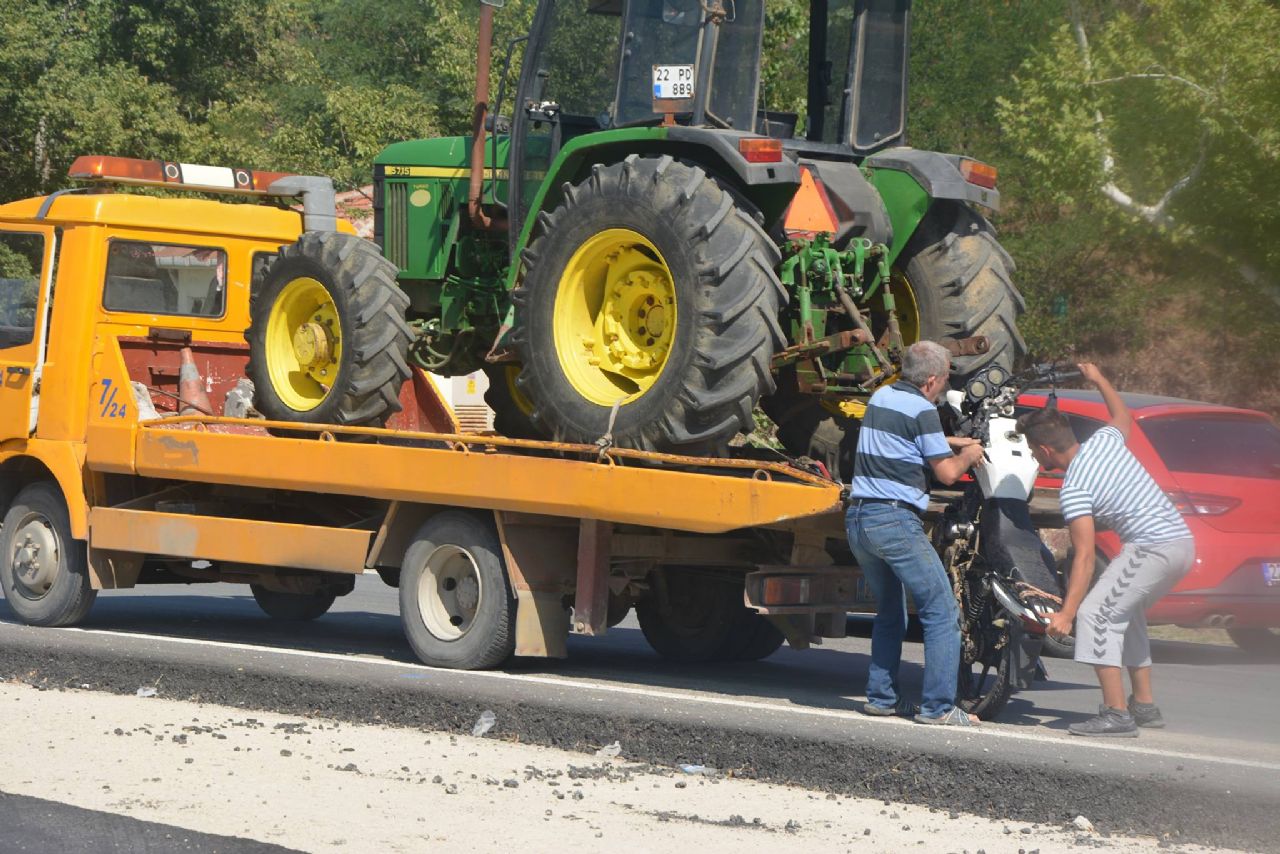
pixel 953 280
pixel 292 607
pixel 649 288
pixel 511 409
pixel 45 572
pixel 700 620
pixel 455 600
pixel 754 638
pixel 1256 641
pixel 328 341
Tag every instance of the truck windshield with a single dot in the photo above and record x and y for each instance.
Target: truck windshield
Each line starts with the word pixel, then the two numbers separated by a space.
pixel 669 32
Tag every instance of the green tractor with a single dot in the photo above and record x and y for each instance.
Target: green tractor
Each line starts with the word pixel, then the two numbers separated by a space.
pixel 644 250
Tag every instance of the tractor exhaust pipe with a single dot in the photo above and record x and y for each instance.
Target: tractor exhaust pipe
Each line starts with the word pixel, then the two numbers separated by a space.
pixel 484 51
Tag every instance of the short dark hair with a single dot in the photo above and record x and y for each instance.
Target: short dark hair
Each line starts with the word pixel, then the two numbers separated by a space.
pixel 1047 427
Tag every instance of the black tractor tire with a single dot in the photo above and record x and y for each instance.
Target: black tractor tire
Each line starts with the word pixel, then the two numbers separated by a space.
pixel 510 408
pixel 962 280
pixel 374 337
pixel 727 297
pixel 44 571
pixel 293 607
pixel 701 620
pixel 1258 641
pixel 456 604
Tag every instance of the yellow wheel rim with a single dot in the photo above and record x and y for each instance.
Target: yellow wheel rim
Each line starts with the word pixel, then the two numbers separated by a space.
pixel 904 299
pixel 304 344
pixel 615 317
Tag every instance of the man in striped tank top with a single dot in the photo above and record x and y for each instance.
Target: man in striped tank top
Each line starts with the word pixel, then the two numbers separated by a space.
pixel 1106 487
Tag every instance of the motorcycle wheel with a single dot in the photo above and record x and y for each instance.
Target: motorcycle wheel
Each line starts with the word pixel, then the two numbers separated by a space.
pixel 983 689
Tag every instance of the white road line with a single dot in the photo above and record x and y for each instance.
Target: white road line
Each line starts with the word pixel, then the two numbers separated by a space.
pixel 986 731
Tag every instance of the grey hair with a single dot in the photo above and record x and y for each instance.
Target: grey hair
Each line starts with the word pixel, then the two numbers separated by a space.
pixel 925 359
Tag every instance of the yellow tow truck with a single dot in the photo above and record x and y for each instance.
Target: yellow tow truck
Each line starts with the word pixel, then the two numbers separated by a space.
pixel 131 453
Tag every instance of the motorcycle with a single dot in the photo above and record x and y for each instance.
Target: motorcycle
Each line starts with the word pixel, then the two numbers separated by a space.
pixel 1004 576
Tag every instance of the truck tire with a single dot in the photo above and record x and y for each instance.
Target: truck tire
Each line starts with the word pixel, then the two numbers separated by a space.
pixel 292 607
pixel 328 341
pixel 650 287
pixel 44 571
pixel 700 621
pixel 456 604
pixel 952 280
pixel 754 638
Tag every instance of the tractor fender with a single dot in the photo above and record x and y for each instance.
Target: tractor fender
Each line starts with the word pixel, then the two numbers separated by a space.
pixel 857 204
pixel 23 462
pixel 938 174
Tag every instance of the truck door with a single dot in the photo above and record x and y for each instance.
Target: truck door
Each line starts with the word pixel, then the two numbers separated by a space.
pixel 26 276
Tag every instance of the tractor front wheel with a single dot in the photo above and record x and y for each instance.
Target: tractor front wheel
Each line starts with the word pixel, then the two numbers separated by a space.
pixel 328 341
pixel 649 291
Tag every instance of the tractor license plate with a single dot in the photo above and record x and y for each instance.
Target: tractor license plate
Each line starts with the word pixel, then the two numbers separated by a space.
pixel 1271 574
pixel 672 82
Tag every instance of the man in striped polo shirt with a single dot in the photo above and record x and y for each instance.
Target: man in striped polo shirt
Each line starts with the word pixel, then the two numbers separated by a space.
pixel 1106 487
pixel 900 441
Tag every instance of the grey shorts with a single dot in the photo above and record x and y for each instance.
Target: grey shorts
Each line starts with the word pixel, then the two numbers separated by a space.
pixel 1111 625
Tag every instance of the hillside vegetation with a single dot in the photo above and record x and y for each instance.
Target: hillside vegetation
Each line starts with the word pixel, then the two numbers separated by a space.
pixel 1137 140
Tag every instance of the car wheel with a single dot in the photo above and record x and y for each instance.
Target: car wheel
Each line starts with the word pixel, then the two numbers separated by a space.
pixel 1257 641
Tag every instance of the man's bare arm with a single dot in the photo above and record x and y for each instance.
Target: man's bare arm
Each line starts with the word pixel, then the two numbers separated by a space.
pixel 1082 564
pixel 950 469
pixel 1121 418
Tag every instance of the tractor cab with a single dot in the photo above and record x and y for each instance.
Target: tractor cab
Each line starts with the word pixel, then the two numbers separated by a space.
pixel 598 65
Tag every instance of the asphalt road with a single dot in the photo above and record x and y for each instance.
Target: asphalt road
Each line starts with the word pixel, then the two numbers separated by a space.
pixel 1213 776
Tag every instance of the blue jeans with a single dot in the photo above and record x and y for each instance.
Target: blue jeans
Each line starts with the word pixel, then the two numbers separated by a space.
pixel 894 553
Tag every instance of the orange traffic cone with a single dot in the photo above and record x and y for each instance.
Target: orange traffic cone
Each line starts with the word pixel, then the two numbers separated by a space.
pixel 192 399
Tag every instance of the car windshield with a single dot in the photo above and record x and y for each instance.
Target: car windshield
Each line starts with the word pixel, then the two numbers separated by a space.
pixel 1232 445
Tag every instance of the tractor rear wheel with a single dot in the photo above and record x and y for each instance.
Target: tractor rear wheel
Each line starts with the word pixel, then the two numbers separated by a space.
pixel 650 290
pixel 328 341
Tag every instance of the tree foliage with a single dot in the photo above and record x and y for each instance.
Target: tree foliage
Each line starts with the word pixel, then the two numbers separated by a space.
pixel 1137 140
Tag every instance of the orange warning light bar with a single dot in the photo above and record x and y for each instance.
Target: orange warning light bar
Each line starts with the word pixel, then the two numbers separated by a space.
pixel 978 173
pixel 810 212
pixel 761 150
pixel 166 173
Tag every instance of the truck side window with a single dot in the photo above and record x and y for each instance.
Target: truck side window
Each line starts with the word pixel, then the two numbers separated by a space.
pixel 21 259
pixel 163 278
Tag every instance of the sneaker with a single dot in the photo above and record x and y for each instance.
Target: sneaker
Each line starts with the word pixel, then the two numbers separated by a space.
pixel 1110 723
pixel 956 717
pixel 903 709
pixel 1146 714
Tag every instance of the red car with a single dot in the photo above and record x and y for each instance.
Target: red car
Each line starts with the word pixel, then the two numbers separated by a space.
pixel 1221 468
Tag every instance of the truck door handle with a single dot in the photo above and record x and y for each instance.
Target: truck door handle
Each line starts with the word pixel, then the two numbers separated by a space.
pixel 21 370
